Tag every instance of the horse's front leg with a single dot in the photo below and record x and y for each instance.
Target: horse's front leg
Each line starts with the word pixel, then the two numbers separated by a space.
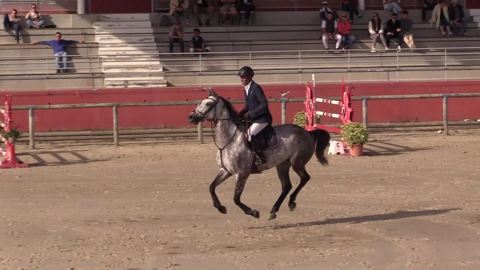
pixel 221 177
pixel 241 180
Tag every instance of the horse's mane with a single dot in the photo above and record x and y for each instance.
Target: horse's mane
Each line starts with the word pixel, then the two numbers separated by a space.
pixel 231 110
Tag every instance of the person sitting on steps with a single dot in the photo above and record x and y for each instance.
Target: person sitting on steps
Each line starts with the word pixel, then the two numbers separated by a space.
pixel 11 21
pixel 256 109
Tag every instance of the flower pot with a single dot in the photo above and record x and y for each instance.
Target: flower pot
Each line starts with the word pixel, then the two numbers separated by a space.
pixel 356 150
pixel 12 140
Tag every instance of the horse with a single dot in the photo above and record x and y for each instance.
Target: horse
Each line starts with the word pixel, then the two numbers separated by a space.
pixel 285 146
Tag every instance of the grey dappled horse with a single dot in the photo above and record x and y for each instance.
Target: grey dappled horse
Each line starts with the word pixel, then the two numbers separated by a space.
pixel 287 146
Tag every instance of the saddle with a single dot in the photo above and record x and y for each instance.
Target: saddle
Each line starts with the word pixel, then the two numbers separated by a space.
pixel 267 138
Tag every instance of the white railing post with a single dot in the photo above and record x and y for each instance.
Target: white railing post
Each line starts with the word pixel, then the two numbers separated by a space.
pixel 299 61
pixel 446 66
pixel 398 65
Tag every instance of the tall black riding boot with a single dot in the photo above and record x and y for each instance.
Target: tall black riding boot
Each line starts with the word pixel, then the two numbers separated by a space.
pixel 258 150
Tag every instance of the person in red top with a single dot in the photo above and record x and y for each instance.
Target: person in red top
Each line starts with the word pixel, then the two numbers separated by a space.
pixel 351 6
pixel 344 29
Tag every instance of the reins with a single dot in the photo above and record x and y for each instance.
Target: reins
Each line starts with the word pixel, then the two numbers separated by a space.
pixel 214 121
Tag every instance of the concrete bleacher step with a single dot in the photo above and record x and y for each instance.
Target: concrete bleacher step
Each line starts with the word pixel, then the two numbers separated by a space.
pixel 322 76
pixel 133 82
pixel 127 46
pixel 144 64
pixel 106 39
pixel 124 17
pixel 282 45
pixel 104 49
pixel 295 33
pixel 126 65
pixel 122 24
pixel 133 69
pixel 129 51
pixel 124 31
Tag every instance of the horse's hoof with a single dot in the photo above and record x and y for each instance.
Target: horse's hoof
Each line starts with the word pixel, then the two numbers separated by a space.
pixel 272 216
pixel 222 209
pixel 255 214
pixel 292 206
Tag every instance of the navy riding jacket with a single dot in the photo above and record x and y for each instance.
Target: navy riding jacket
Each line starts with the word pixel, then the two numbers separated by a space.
pixel 257 105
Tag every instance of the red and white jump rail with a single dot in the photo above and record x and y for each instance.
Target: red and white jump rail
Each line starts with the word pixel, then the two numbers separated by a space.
pixel 9 157
pixel 346 111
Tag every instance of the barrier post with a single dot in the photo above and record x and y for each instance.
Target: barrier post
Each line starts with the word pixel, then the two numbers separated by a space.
pixel 31 127
pixel 200 132
pixel 365 111
pixel 445 115
pixel 115 126
pixel 284 110
pixel 10 158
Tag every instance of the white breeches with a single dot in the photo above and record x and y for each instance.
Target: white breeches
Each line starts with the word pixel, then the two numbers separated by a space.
pixel 255 128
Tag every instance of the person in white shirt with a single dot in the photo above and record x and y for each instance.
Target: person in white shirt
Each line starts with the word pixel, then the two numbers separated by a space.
pixel 34 19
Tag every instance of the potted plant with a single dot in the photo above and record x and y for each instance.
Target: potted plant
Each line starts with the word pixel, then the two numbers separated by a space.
pixel 355 135
pixel 11 135
pixel 300 119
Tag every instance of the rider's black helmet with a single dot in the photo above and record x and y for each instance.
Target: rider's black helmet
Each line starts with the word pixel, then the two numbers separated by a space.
pixel 246 71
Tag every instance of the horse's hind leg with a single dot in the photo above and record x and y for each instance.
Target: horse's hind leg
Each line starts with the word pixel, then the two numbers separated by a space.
pixel 283 173
pixel 221 177
pixel 304 177
pixel 241 180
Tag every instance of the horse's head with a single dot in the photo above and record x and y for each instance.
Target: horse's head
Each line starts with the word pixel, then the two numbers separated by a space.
pixel 210 108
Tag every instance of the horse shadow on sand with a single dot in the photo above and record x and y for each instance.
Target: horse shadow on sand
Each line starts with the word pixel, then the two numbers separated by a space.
pixel 55 158
pixel 385 148
pixel 361 219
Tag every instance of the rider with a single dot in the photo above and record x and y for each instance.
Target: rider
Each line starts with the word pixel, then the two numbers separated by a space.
pixel 256 108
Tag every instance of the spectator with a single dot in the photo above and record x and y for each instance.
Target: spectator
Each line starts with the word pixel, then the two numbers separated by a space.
pixel 325 10
pixel 246 6
pixel 11 21
pixel 407 26
pixel 393 29
pixel 440 17
pixel 330 29
pixel 392 6
pixel 375 27
pixel 427 5
pixel 179 7
pixel 344 29
pixel 457 18
pixel 351 6
pixel 58 45
pixel 34 19
pixel 197 43
pixel 176 35
pixel 203 4
pixel 225 7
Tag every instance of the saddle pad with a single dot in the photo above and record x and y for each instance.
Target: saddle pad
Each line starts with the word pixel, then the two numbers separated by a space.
pixel 271 141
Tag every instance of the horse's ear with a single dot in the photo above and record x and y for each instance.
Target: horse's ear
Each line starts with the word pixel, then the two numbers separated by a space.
pixel 212 93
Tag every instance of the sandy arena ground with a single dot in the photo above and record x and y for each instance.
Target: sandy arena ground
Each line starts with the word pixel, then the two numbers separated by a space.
pixel 412 203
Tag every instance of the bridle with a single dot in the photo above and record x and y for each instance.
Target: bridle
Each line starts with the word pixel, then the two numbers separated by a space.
pixel 215 120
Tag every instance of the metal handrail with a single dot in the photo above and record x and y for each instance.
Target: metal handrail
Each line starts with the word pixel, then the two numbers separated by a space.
pixel 270 62
pixel 279 52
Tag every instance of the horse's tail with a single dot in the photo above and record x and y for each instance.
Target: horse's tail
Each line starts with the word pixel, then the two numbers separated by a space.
pixel 322 139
